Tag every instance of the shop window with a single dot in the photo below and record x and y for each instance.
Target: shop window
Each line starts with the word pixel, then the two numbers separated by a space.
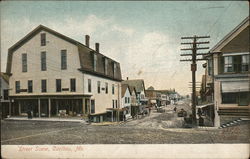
pixel 229 98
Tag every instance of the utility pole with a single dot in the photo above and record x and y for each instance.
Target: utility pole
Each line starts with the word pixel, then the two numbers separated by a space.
pixel 194 55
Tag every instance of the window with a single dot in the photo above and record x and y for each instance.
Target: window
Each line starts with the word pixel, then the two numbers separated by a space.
pixel 58 85
pixel 113 89
pixel 30 86
pixel 125 99
pixel 239 63
pixel 98 86
pixel 228 64
pixel 128 100
pixel 106 84
pixel 113 102
pixel 245 63
pixel 229 98
pixel 95 61
pixel 116 105
pixel 43 85
pixel 43 39
pixel 240 98
pixel 17 86
pixel 92 106
pixel 244 98
pixel 72 84
pixel 24 62
pixel 43 61
pixel 89 85
pixel 63 59
pixel 210 67
pixel 106 66
pixel 5 94
pixel 114 68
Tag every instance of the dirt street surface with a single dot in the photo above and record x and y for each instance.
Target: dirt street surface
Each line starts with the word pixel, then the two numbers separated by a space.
pixel 157 128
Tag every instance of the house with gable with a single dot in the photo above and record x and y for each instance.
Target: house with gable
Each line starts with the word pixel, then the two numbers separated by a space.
pixel 54 75
pixel 126 101
pixel 227 76
pixel 139 86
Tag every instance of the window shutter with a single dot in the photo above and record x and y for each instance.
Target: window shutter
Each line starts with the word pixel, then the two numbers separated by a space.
pixel 221 64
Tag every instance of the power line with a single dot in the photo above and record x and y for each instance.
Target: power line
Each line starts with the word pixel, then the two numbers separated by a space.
pixel 219 17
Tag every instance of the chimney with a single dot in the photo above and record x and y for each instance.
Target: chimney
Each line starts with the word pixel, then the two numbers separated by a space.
pixel 87 40
pixel 127 78
pixel 97 47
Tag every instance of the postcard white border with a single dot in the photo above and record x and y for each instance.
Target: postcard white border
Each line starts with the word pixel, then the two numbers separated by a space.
pixel 126 151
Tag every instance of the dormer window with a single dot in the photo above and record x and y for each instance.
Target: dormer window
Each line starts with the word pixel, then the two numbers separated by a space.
pixel 94 61
pixel 43 39
pixel 106 66
pixel 114 68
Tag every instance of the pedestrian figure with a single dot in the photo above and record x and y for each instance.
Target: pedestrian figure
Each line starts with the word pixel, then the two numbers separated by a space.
pixel 199 112
pixel 29 114
pixel 89 120
pixel 201 121
pixel 175 109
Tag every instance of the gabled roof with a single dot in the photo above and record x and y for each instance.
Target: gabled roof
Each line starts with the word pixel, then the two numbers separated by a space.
pixel 132 88
pixel 138 84
pixel 85 55
pixel 124 88
pixel 243 26
pixel 5 77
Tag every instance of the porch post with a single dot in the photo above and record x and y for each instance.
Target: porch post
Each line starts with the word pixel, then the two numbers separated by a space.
pixel 10 108
pixel 112 117
pixel 39 107
pixel 19 107
pixel 49 107
pixel 56 108
pixel 83 103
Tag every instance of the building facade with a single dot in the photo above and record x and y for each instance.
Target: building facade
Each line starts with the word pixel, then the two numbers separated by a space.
pixel 53 75
pixel 139 86
pixel 228 74
pixel 126 101
pixel 4 95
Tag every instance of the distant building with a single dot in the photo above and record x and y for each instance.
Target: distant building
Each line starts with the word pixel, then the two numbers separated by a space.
pixel 227 75
pixel 139 86
pixel 53 75
pixel 4 95
pixel 134 102
pixel 152 97
pixel 126 101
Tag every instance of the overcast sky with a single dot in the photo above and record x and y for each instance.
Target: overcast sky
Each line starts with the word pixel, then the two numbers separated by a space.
pixel 143 36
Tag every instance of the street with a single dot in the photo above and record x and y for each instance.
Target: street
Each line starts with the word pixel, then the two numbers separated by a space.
pixel 158 128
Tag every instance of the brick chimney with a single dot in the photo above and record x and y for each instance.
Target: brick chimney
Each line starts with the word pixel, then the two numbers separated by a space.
pixel 87 40
pixel 97 47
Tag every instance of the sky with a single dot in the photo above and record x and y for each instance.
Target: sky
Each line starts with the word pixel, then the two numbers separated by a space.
pixel 144 37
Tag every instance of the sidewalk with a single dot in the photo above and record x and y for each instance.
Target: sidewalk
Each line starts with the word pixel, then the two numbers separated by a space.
pixel 47 119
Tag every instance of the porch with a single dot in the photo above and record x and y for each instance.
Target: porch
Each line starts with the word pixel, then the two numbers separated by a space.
pixel 50 106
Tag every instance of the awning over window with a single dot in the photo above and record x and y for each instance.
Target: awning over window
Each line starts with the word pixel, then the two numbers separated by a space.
pixel 236 86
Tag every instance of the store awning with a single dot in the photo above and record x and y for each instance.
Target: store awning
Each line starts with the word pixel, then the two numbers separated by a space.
pixel 235 86
pixel 205 105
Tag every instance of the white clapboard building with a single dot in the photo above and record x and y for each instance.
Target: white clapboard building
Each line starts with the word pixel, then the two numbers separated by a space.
pixel 52 75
